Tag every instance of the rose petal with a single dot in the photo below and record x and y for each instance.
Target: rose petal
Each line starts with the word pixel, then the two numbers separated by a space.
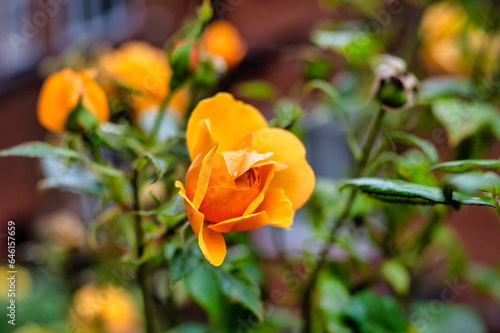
pixel 298 179
pixel 267 173
pixel 204 177
pixel 278 207
pixel 239 162
pixel 230 122
pixel 276 210
pixel 206 140
pixel 194 216
pixel 211 242
pixel 212 245
pixel 59 95
pixel 94 98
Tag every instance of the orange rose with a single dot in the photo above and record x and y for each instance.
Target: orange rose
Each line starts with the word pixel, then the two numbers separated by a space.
pixel 60 95
pixel 144 69
pixel 222 40
pixel 244 175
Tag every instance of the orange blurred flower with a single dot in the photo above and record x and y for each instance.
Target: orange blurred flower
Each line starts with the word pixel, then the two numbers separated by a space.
pixel 222 41
pixel 144 70
pixel 243 175
pixel 109 309
pixel 60 95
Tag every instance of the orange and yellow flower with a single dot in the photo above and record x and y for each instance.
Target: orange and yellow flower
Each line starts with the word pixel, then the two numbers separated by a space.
pixel 243 175
pixel 61 93
pixel 222 41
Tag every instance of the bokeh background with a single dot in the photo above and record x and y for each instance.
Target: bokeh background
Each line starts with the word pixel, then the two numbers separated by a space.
pixel 277 33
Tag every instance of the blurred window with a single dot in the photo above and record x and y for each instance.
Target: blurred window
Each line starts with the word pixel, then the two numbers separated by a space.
pixel 30 29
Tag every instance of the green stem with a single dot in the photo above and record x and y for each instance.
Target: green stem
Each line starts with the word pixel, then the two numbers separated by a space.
pixel 425 237
pixel 161 115
pixel 142 271
pixel 307 302
pixel 494 199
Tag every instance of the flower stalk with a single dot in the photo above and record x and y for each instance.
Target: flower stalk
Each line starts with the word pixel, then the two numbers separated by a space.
pixel 142 271
pixel 307 302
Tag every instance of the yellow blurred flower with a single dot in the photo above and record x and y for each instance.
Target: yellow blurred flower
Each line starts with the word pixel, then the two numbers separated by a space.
pixel 222 41
pixel 451 43
pixel 23 283
pixel 60 95
pixel 107 309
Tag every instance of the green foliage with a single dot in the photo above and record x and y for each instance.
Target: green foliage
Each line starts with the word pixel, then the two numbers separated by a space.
pixel 413 140
pixel 189 328
pixel 436 88
pixel 441 317
pixel 368 312
pixel 462 119
pixel 41 149
pixel 397 275
pixel 286 113
pixel 466 165
pixel 238 290
pixel 159 165
pixel 398 191
pixel 354 45
pixel 202 285
pixel 257 89
pixel 333 299
pixel 184 262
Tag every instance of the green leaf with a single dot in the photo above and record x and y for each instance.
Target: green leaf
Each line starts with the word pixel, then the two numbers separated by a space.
pixel 106 170
pixel 399 191
pixel 172 208
pixel 286 113
pixel 485 279
pixel 333 298
pixel 472 182
pixel 413 140
pixel 41 149
pixel 397 275
pixel 185 262
pixel 462 119
pixel 202 285
pixel 355 47
pixel 170 214
pixel 325 87
pixel 466 165
pixel 440 87
pixel 257 89
pixel 240 291
pixel 188 328
pixel 69 177
pixel 159 164
pixel 441 317
pixel 72 183
pixel 368 312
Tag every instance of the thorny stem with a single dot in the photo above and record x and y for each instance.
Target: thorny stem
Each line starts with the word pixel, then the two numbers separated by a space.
pixel 307 302
pixel 142 271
